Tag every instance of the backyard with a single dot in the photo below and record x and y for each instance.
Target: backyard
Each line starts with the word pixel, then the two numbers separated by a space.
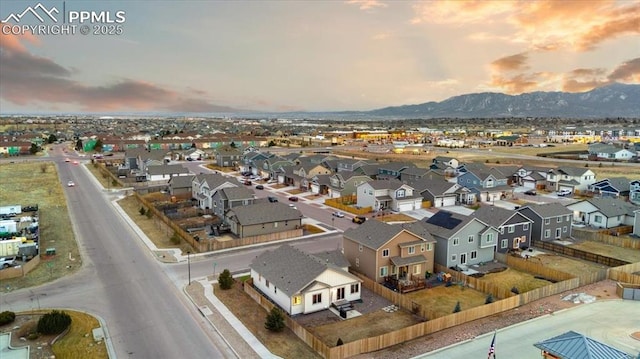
pixel 512 278
pixel 625 254
pixel 441 300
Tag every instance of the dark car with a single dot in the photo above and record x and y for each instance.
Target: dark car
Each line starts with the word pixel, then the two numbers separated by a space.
pixel 531 192
pixel 247 183
pixel 259 186
pixel 293 198
pixel 272 199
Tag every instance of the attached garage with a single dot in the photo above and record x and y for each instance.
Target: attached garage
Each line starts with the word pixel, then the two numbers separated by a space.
pixel 315 188
pixel 529 184
pixel 444 202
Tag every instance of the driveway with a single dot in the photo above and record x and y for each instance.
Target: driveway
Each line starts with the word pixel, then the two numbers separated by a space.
pixel 610 322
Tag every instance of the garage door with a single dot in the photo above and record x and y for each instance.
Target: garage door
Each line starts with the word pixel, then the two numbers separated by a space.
pixel 449 201
pixel 403 207
pixel 315 188
pixel 529 184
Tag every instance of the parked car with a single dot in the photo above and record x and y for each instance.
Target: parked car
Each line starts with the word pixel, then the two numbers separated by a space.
pixel 359 219
pixel 272 199
pixel 7 262
pixel 71 184
pixel 292 206
pixel 247 183
pixel 293 199
pixel 338 214
pixel 563 192
pixel 259 186
pixel 67 160
pixel 531 192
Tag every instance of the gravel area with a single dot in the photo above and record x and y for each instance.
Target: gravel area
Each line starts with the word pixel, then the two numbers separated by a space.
pixel 602 290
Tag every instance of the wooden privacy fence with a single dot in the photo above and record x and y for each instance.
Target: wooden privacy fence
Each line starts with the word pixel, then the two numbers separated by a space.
pixel 21 271
pixel 626 274
pixel 580 254
pixel 536 268
pixel 606 237
pixel 345 203
pixel 479 284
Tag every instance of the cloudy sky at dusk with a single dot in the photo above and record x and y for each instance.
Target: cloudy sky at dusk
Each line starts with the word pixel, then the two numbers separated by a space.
pixel 202 56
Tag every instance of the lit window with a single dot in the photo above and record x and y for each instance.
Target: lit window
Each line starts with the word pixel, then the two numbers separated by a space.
pixel 416 269
pixel 296 300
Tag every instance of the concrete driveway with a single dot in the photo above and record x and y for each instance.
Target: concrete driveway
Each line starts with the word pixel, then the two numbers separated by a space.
pixel 610 322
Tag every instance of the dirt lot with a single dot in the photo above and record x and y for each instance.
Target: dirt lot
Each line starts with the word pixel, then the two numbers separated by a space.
pixel 566 264
pixel 511 278
pixel 626 254
pixel 441 300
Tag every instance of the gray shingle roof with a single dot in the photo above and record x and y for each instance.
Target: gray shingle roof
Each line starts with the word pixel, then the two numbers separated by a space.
pixel 374 234
pixel 264 213
pixel 612 207
pixel 234 193
pixel 291 270
pixel 181 181
pixel 493 215
pixel 572 345
pixel 573 171
pixel 385 184
pixel 167 169
pixel 213 180
pixel 336 257
pixel 435 186
pixel 548 210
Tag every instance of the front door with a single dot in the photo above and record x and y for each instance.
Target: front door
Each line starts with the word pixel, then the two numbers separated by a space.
pixel 463 258
pixel 558 232
pixel 340 294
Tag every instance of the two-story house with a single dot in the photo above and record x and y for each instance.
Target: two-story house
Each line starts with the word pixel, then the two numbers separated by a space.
pixel 230 197
pixel 615 187
pixel 204 186
pixel 531 177
pixel 302 283
pixel 634 192
pixel 604 151
pixel 487 183
pixel 228 157
pixel 448 165
pixel 392 170
pixel 345 183
pixel 438 191
pixel 388 194
pixel 551 221
pixel 514 228
pixel 461 240
pixel 603 212
pixel 378 249
pixel 570 178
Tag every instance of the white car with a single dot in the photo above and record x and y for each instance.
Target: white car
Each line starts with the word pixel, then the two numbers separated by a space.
pixel 563 192
pixel 338 214
pixel 71 184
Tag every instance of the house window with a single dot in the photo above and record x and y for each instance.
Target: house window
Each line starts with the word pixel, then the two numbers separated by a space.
pixel 525 227
pixel 340 293
pixel 275 289
pixel 422 248
pixel 503 243
pixel 360 248
pixel 597 219
pixel 516 243
pixel 317 298
pixel 411 249
pixel 296 300
pixel 489 237
pixel 384 271
pixel 456 241
pixel 568 218
pixel 559 219
pixel 400 193
pixel 453 257
pixel 355 288
pixel 547 233
pixel 429 247
pixel 558 233
pixel 564 229
pixel 266 282
pixel 547 220
pixel 416 269
pixel 512 229
pixel 385 252
pixel 474 254
pixel 471 238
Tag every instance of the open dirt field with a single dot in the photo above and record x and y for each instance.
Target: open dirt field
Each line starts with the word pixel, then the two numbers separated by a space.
pixel 566 264
pixel 442 300
pixel 511 278
pixel 626 254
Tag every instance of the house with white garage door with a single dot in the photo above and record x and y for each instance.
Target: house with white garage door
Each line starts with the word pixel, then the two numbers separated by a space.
pixel 388 195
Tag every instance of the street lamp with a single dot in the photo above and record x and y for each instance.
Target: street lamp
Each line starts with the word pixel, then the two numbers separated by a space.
pixel 332 222
pixel 189 265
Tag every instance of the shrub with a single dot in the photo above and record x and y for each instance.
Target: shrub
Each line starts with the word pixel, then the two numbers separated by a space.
pixel 7 317
pixel 54 322
pixel 489 299
pixel 275 320
pixel 149 214
pixel 175 238
pixel 515 290
pixel 142 211
pixel 339 343
pixel 33 336
pixel 225 280
pixel 457 308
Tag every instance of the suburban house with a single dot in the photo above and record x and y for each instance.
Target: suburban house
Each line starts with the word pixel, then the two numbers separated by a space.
pixel 487 183
pixel 461 240
pixel 448 164
pixel 636 223
pixel 438 191
pixel 634 192
pixel 320 184
pixel 230 197
pixel 378 250
pixel 302 283
pixel 193 154
pixel 264 219
pixel 268 168
pixel 611 187
pixel 572 345
pixel 139 159
pixel 570 178
pixel 603 212
pixel 251 161
pixel 370 171
pixel 204 186
pixel 228 157
pixel 166 172
pixel 345 183
pixel 388 194
pixel 531 177
pixel 514 229
pixel 180 185
pixel 392 170
pixel 551 221
pixel 413 174
pixel 345 164
pixel 604 151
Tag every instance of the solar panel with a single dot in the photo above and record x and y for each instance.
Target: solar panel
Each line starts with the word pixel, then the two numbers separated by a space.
pixel 444 219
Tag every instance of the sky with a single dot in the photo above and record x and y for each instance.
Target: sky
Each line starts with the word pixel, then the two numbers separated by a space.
pixel 280 56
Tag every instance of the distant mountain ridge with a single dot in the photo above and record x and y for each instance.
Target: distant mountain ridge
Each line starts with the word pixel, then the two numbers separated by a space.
pixel 615 100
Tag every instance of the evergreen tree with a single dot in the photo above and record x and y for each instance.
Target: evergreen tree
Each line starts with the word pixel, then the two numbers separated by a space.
pixel 225 279
pixel 275 320
pixel 457 308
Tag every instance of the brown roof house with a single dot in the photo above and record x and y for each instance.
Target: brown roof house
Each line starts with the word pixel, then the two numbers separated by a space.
pixel 380 250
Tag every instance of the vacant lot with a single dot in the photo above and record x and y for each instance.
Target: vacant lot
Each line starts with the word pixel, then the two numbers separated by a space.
pixel 625 254
pixel 566 264
pixel 395 217
pixel 38 183
pixel 284 344
pixel 511 278
pixel 442 300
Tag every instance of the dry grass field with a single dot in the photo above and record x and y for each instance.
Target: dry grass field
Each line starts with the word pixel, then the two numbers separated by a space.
pixel 284 344
pixel 396 217
pixel 625 254
pixel 513 278
pixel 442 300
pixel 38 183
pixel 566 264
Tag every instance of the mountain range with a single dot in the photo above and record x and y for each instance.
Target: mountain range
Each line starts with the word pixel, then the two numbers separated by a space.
pixel 614 100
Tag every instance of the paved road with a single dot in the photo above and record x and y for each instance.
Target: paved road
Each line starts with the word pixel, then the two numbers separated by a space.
pixel 610 322
pixel 146 315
